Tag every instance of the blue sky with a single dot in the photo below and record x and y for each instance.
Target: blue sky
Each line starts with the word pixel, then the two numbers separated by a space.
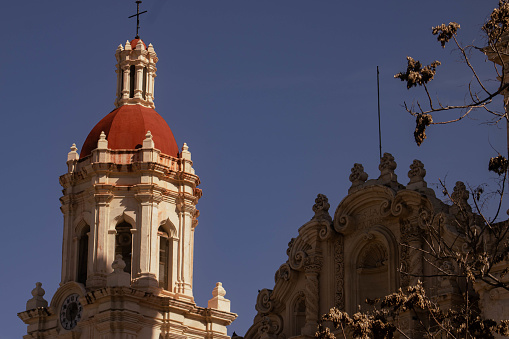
pixel 276 100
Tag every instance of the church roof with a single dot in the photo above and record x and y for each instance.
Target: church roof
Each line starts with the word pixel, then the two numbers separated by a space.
pixel 125 128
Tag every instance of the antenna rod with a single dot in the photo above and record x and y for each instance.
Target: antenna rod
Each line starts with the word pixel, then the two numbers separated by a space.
pixel 379 128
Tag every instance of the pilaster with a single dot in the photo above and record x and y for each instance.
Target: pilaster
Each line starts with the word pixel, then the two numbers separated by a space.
pixel 147 260
pixel 102 197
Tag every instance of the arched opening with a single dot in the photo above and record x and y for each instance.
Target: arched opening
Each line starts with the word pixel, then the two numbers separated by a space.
pixel 144 83
pixel 123 244
pixel 132 77
pixel 373 280
pixel 164 257
pixel 83 255
pixel 299 313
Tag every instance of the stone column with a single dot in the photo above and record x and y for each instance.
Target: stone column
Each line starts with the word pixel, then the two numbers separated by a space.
pixel 126 82
pixel 312 267
pixel 150 87
pixel 138 84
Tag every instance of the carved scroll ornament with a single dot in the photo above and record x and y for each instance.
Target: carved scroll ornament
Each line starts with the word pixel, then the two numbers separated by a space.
pixel 271 326
pixel 264 304
pixel 344 224
pixel 395 207
pixel 284 272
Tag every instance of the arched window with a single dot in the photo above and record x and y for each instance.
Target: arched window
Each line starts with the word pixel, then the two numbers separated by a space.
pixel 372 273
pixel 144 83
pixel 164 257
pixel 123 244
pixel 299 313
pixel 132 77
pixel 83 255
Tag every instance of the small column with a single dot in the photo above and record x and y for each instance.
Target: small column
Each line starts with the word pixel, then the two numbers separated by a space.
pixel 312 268
pixel 138 84
pixel 125 88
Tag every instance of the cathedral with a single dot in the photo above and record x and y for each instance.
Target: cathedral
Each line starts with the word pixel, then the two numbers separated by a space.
pixel 129 209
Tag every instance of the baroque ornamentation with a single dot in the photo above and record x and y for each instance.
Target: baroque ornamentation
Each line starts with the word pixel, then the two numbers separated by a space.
pixel 357 176
pixel 373 255
pixel 395 207
pixel 345 224
pixel 459 198
pixel 387 167
pixel 264 303
pixel 411 254
pixel 284 272
pixel 290 245
pixel 313 264
pixel 417 174
pixel 312 297
pixel 321 208
pixel 271 326
pixel 339 272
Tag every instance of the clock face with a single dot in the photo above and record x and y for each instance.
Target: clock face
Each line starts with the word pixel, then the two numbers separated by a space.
pixel 70 313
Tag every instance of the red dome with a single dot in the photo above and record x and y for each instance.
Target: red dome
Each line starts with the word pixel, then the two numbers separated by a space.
pixel 135 42
pixel 126 127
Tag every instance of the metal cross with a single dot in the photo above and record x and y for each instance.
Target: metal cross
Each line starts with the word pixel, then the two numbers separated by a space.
pixel 137 15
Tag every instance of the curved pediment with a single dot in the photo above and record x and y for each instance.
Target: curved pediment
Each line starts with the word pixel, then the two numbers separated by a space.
pixel 371 204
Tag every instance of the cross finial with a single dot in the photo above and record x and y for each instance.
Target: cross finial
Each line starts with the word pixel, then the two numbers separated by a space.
pixel 137 15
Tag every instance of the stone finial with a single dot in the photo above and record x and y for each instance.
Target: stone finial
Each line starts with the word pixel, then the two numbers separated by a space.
pixel 321 208
pixel 73 154
pixel 118 264
pixel 120 48
pixel 102 143
pixel 357 176
pixel 185 152
pixel 218 301
pixel 140 45
pixel 416 175
pixel 148 142
pixel 118 277
pixel 387 167
pixel 460 196
pixel 37 298
pixel 128 46
pixel 150 48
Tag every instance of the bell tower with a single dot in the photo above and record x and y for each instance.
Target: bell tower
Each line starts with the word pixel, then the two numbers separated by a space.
pixel 129 207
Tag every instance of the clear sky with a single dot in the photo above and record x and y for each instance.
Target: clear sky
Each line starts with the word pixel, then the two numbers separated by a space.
pixel 276 100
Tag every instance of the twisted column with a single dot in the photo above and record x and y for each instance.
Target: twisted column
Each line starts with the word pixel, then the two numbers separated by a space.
pixel 312 268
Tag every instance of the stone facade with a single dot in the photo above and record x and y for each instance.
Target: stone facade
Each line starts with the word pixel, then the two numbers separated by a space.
pixel 128 236
pixel 369 249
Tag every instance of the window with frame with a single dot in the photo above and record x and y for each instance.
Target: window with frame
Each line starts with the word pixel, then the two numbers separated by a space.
pixel 164 257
